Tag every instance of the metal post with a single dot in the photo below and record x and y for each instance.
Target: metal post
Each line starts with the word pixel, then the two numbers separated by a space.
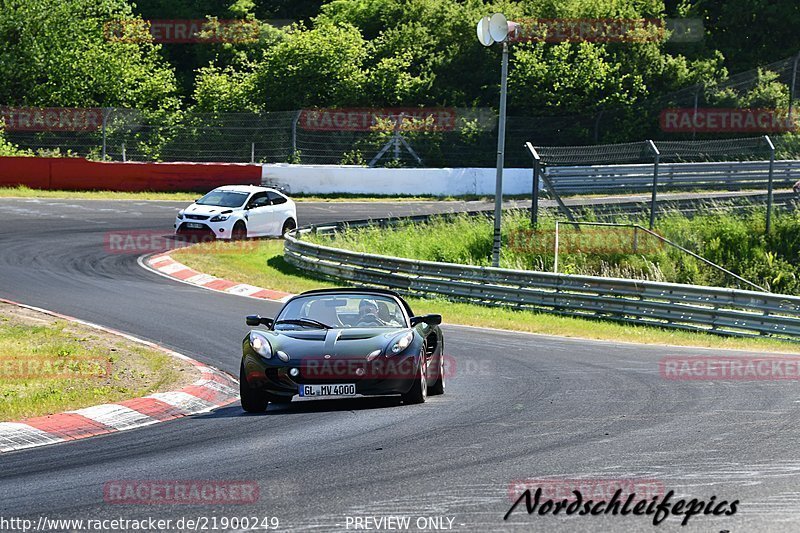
pixel 656 159
pixel 635 240
pixel 792 89
pixel 537 168
pixel 105 119
pixel 252 152
pixel 295 120
pixel 501 145
pixel 597 125
pixel 555 252
pixel 397 137
pixel 124 158
pixel 769 183
pixel 694 115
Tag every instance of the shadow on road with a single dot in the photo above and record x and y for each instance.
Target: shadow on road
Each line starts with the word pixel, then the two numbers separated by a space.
pixel 309 406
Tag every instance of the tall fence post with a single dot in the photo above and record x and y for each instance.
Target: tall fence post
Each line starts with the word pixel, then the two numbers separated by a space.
pixel 252 152
pixel 694 114
pixel 537 168
pixel 792 88
pixel 295 120
pixel 597 125
pixel 769 182
pixel 124 157
pixel 656 160
pixel 555 252
pixel 105 119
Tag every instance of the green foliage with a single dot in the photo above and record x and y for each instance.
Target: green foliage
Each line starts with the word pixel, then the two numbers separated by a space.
pixel 10 149
pixel 749 33
pixel 58 53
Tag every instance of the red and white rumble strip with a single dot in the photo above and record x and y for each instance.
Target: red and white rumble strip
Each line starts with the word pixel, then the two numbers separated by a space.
pixel 164 264
pixel 215 388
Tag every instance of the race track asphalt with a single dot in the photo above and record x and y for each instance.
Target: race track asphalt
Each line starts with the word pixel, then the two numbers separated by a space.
pixel 518 407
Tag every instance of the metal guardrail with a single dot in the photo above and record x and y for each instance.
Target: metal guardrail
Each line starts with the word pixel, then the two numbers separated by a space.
pixel 733 175
pixel 689 307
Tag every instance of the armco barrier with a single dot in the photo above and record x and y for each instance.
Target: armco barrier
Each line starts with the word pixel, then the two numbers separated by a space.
pixel 690 307
pixel 68 173
pixel 732 175
pixel 622 179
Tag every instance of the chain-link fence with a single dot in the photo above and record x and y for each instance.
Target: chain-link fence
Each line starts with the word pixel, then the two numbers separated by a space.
pixel 432 137
pixel 360 137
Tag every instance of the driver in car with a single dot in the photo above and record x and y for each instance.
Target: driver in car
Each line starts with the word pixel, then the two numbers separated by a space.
pixel 368 314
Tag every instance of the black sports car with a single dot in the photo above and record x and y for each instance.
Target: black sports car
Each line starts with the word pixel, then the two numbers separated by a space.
pixel 342 342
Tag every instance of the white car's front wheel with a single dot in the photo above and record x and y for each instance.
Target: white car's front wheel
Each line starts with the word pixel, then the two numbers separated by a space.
pixel 239 232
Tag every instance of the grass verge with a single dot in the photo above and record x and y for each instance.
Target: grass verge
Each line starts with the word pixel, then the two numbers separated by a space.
pixel 48 365
pixel 263 265
pixel 27 192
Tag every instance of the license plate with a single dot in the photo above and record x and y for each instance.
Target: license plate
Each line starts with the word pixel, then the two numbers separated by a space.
pixel 346 389
pixel 194 225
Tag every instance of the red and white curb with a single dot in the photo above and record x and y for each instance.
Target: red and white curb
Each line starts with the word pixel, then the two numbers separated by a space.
pixel 214 389
pixel 166 266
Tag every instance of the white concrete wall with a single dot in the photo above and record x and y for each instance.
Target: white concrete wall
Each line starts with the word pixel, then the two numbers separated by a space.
pixel 325 179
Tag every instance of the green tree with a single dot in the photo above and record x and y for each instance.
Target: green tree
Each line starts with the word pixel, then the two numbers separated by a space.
pixel 58 53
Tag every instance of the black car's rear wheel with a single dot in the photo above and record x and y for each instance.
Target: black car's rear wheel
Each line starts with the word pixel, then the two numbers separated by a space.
pixel 438 387
pixel 419 390
pixel 253 400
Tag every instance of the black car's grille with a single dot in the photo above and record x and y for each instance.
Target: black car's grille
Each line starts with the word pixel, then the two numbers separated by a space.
pixel 196 217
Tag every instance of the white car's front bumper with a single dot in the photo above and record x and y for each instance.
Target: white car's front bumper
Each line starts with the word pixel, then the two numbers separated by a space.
pixel 220 230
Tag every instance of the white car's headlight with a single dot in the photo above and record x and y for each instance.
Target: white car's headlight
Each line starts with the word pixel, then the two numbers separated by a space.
pixel 220 218
pixel 180 215
pixel 260 345
pixel 401 343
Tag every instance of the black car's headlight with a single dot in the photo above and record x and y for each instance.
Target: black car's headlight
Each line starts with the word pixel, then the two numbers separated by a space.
pixel 400 343
pixel 220 218
pixel 260 345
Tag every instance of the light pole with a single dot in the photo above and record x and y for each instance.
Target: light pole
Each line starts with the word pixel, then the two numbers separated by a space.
pixel 490 30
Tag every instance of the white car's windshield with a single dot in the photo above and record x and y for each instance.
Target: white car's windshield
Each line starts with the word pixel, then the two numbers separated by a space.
pixel 341 311
pixel 223 199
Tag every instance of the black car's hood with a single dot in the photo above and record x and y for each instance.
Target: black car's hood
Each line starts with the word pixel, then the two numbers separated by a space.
pixel 344 342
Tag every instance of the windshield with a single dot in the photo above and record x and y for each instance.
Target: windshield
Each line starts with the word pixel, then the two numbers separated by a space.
pixel 341 311
pixel 223 199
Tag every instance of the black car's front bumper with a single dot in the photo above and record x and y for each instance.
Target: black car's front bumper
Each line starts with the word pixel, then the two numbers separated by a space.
pixel 384 375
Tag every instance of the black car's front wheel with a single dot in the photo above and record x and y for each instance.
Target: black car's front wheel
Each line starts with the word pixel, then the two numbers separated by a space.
pixel 253 400
pixel 419 390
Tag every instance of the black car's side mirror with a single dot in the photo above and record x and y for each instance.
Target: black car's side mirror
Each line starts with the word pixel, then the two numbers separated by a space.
pixel 431 320
pixel 258 320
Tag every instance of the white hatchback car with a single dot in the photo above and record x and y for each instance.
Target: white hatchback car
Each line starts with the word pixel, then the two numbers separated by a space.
pixel 237 212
